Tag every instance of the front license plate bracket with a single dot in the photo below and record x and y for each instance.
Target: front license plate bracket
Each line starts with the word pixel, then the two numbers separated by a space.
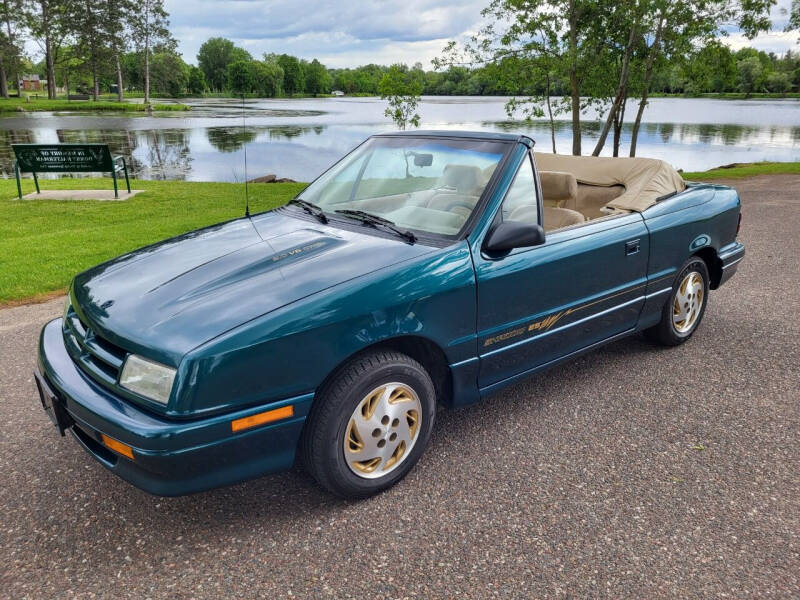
pixel 52 405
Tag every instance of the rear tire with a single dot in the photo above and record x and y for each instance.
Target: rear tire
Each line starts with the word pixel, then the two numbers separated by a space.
pixel 369 424
pixel 683 312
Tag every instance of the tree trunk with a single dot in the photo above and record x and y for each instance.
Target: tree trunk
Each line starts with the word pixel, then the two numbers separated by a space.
pixel 648 77
pixel 95 82
pixel 619 121
pixel 119 77
pixel 623 84
pixel 147 69
pixel 550 114
pixel 16 53
pixel 147 52
pixel 51 70
pixel 3 79
pixel 574 86
pixel 48 54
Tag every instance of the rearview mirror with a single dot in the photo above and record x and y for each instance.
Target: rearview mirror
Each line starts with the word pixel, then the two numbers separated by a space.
pixel 423 160
pixel 512 234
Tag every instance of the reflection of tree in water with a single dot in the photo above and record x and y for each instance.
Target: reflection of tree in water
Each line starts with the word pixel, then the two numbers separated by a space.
pixel 230 139
pixel 8 137
pixel 168 153
pixel 288 131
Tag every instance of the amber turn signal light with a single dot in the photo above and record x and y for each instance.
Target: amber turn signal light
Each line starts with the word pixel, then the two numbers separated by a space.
pixel 117 446
pixel 284 412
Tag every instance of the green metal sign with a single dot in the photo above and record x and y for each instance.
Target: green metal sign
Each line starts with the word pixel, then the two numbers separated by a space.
pixel 63 158
pixel 57 158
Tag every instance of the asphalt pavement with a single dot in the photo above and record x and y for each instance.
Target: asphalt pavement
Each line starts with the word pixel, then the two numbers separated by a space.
pixel 633 472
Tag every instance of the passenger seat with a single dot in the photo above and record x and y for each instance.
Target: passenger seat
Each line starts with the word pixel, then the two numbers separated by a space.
pixel 554 218
pixel 559 189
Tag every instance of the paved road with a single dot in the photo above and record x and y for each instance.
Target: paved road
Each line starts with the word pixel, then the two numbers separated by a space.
pixel 633 472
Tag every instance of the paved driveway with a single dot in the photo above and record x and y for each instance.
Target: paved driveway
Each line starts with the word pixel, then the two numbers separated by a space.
pixel 633 472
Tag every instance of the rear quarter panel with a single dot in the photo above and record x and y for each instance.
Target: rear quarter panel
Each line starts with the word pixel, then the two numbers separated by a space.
pixel 703 216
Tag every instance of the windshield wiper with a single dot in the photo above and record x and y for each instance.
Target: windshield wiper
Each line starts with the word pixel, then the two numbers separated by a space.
pixel 310 208
pixel 370 219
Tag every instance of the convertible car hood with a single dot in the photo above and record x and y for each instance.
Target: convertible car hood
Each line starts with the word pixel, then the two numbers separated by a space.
pixel 169 298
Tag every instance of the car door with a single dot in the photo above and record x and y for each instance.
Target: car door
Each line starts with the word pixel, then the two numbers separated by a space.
pixel 583 285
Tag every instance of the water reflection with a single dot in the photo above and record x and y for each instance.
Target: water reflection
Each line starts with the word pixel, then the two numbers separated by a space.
pixel 300 138
pixel 230 139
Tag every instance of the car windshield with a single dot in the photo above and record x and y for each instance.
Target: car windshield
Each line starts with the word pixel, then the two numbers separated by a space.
pixel 428 185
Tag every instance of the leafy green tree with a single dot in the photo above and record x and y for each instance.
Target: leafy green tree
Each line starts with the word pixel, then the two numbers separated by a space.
pixel 240 77
pixel 751 75
pixel 169 75
pixel 266 78
pixel 150 28
pixel 293 75
pixel 116 14
pixel 214 57
pixel 318 80
pixel 779 82
pixel 11 16
pixel 196 84
pixel 402 89
pixel 49 23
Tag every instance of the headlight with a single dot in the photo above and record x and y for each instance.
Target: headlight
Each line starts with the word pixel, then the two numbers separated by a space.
pixel 147 378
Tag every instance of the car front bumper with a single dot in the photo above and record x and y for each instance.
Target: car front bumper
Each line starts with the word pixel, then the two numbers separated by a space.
pixel 170 457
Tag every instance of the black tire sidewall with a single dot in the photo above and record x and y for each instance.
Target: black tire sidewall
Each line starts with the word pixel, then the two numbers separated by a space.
pixel 333 424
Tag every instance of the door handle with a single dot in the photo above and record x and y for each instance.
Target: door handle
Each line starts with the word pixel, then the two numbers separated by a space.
pixel 632 247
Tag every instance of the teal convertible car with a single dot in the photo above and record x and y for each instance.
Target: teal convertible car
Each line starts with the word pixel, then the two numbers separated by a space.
pixel 423 269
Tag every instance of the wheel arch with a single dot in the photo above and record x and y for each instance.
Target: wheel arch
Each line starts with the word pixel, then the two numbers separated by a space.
pixel 425 351
pixel 713 263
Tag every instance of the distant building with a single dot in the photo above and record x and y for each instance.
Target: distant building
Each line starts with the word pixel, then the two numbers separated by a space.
pixel 337 93
pixel 30 83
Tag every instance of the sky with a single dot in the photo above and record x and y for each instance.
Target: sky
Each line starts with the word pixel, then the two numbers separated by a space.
pixel 349 33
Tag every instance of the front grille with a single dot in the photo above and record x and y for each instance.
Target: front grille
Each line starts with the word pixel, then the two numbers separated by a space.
pixel 96 356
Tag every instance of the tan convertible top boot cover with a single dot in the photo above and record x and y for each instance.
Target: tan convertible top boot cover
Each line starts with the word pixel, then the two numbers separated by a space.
pixel 645 179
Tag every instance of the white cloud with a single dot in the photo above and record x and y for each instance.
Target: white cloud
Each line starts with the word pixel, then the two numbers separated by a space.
pixel 341 33
pixel 774 41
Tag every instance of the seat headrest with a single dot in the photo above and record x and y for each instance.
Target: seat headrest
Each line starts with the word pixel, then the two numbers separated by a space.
pixel 558 187
pixel 464 178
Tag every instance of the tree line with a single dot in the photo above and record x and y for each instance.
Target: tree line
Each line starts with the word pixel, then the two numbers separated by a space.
pixel 86 39
pixel 577 54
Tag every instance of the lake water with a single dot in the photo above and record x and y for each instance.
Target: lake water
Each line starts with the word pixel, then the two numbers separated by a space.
pixel 300 138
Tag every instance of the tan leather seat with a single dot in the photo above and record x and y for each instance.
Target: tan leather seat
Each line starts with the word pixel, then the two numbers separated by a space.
pixel 554 218
pixel 559 189
pixel 464 179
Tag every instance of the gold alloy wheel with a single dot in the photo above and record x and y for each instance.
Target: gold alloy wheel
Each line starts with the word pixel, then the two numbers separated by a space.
pixel 688 302
pixel 382 430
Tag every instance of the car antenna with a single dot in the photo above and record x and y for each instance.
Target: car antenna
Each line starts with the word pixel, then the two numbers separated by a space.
pixel 244 147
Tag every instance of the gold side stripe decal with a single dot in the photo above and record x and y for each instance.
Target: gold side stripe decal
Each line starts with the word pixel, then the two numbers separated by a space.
pixel 548 322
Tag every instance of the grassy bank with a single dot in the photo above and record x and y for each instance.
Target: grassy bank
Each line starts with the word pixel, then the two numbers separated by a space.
pixel 8 105
pixel 740 170
pixel 44 243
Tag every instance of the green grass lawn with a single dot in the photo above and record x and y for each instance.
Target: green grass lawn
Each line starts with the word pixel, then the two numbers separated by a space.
pixel 740 170
pixel 61 105
pixel 44 243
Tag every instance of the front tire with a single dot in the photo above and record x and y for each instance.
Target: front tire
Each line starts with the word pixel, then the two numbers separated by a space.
pixel 369 424
pixel 682 314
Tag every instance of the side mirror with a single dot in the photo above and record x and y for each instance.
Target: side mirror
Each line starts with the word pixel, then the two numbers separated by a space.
pixel 512 234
